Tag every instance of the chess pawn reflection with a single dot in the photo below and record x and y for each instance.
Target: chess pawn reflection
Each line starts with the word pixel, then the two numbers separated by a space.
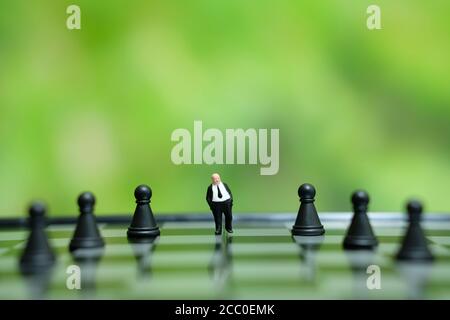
pixel 86 235
pixel 414 245
pixel 307 222
pixel 359 261
pixel 360 234
pixel 143 224
pixel 308 251
pixel 37 260
pixel 38 283
pixel 87 260
pixel 143 249
pixel 416 276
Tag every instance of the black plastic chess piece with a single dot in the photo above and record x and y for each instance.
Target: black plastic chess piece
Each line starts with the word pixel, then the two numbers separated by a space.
pixel 143 224
pixel 37 256
pixel 307 222
pixel 360 234
pixel 86 235
pixel 414 245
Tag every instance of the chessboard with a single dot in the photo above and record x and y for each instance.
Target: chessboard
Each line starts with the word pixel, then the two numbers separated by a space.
pixel 260 260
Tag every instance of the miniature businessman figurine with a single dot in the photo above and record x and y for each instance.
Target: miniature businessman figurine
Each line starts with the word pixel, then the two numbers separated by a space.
pixel 220 200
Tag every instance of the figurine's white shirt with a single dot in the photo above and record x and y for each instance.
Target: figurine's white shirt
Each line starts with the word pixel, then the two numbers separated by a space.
pixel 223 190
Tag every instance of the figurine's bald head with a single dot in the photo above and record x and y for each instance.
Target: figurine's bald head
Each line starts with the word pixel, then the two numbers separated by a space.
pixel 215 178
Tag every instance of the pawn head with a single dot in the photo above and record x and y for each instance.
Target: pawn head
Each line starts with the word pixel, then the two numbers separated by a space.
pixel 415 209
pixel 86 200
pixel 306 191
pixel 37 209
pixel 360 198
pixel 142 193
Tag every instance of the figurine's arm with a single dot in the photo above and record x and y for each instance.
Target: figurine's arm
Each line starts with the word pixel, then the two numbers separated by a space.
pixel 229 191
pixel 209 197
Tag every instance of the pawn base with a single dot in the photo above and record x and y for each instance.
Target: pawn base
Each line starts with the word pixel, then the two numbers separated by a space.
pixel 37 264
pixel 360 243
pixel 143 232
pixel 415 255
pixel 88 243
pixel 307 231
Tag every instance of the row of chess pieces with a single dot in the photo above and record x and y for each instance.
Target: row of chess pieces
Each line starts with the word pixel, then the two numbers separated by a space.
pixel 359 236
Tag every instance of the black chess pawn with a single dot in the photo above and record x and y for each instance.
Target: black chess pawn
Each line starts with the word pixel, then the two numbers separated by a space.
pixel 414 245
pixel 307 222
pixel 37 256
pixel 87 234
pixel 360 234
pixel 143 224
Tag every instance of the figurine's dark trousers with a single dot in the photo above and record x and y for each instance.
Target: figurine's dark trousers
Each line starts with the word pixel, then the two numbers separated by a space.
pixel 222 207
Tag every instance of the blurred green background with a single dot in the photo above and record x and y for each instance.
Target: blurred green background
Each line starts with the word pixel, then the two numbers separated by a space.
pixel 93 109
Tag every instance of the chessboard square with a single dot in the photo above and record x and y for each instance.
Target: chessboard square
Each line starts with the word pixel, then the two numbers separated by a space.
pixel 274 249
pixel 261 232
pixel 182 225
pixel 442 240
pixel 13 235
